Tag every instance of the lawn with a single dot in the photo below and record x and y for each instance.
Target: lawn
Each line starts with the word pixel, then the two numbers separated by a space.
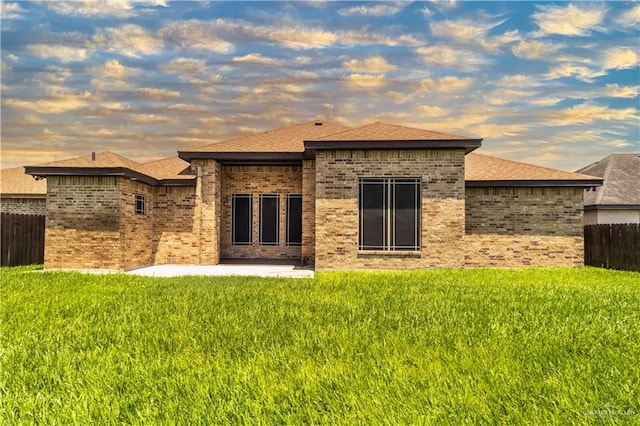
pixel 534 346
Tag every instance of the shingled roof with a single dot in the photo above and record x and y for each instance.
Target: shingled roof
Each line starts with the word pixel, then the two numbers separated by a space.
pixel 621 187
pixel 16 184
pixel 485 170
pixel 168 171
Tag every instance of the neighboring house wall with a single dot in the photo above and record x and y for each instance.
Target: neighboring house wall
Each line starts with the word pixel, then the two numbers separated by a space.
pixel 83 229
pixel 511 227
pixel 256 180
pixel 30 206
pixel 442 208
pixel 600 216
pixel 176 232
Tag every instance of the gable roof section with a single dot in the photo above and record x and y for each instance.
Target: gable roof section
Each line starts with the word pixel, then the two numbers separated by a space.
pixel 285 143
pixel 165 172
pixel 301 141
pixel 391 136
pixel 621 187
pixel 486 171
pixel 15 183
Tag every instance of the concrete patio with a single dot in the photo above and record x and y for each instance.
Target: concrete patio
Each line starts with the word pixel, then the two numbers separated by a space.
pixel 226 269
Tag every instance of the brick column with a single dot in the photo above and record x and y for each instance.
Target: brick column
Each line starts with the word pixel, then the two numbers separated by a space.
pixel 208 210
pixel 308 212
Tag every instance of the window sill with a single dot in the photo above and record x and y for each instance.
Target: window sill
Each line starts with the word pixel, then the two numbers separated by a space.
pixel 389 253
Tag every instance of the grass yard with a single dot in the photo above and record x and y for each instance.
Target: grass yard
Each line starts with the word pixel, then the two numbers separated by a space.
pixel 534 346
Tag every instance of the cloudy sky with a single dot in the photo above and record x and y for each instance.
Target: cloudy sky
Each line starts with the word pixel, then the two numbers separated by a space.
pixel 554 84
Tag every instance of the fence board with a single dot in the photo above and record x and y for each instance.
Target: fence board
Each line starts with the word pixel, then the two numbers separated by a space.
pixel 613 246
pixel 21 239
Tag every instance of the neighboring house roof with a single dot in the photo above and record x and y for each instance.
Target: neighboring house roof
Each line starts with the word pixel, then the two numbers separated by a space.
pixel 621 187
pixel 166 172
pixel 16 184
pixel 484 170
pixel 300 141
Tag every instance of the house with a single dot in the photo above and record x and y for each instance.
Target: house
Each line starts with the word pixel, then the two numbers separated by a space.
pixel 21 193
pixel 618 199
pixel 379 196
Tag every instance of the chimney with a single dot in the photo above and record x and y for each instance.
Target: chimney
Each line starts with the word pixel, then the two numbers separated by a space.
pixel 93 156
pixel 318 123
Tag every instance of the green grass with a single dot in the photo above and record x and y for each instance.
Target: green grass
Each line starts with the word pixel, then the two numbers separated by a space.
pixel 530 346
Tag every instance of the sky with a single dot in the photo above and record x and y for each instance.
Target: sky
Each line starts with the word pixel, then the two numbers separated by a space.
pixel 549 83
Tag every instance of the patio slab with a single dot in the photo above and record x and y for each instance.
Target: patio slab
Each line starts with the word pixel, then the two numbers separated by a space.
pixel 252 270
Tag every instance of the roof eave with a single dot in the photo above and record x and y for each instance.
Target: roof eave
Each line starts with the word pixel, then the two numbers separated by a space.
pixel 45 171
pixel 534 183
pixel 249 157
pixel 467 144
pixel 612 207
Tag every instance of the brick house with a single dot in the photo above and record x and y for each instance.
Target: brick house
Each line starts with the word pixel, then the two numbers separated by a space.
pixel 379 196
pixel 20 193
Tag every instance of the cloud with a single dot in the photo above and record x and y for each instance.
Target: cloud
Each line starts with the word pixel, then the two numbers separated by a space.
pixel 587 113
pixel 365 80
pixel 447 84
pixel 256 58
pixel 183 66
pixel 11 10
pixel 195 34
pixel 433 111
pixel 97 8
pixel 517 80
pixel 158 94
pixel 545 101
pixel 55 102
pixel 536 50
pixel 621 58
pixel 129 40
pixel 449 57
pixel 571 20
pixel 148 118
pixel 383 9
pixel 629 18
pixel 115 70
pixel 373 64
pixel 63 53
pixel 473 32
pixel 617 91
pixel 577 71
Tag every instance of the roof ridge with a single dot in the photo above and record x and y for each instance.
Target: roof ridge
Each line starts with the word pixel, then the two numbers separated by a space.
pixel 605 177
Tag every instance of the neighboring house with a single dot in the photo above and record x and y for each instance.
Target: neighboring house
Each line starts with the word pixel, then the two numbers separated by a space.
pixel 21 193
pixel 618 199
pixel 378 196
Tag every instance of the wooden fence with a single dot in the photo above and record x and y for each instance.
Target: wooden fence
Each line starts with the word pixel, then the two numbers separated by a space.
pixel 613 246
pixel 22 239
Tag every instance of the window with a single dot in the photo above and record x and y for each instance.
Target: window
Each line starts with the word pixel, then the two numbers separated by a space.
pixel 269 219
pixel 389 212
pixel 139 204
pixel 241 219
pixel 294 219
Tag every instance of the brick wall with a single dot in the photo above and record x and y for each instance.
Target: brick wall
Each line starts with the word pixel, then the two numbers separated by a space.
pixel 308 212
pixel 176 234
pixel 258 180
pixel 136 230
pixel 208 211
pixel 336 226
pixel 82 226
pixel 510 227
pixel 30 206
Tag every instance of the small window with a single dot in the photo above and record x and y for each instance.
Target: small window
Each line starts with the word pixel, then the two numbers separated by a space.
pixel 294 219
pixel 139 204
pixel 269 219
pixel 241 219
pixel 389 211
